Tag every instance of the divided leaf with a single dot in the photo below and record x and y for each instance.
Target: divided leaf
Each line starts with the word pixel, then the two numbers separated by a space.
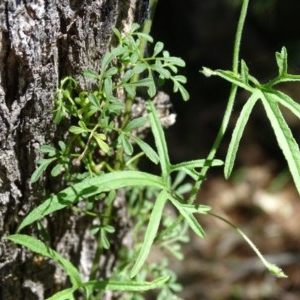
pixel 90 187
pixel 39 247
pixel 100 139
pixel 43 165
pixel 288 102
pixel 284 137
pixel 187 214
pixel 238 132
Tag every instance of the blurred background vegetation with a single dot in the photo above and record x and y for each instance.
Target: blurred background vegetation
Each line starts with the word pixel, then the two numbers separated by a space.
pixel 202 33
pixel 259 197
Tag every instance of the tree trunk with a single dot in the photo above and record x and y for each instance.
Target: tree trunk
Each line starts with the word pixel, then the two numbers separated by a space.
pixel 40 43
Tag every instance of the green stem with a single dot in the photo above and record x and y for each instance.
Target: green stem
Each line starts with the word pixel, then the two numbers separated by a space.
pixel 148 24
pixel 129 101
pixel 271 267
pixel 106 218
pixel 230 104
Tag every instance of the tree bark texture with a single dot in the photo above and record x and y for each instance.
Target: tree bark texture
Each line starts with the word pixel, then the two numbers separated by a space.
pixel 42 41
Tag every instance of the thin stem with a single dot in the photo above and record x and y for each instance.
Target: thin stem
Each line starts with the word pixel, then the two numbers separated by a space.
pixel 228 111
pixel 148 24
pixel 238 36
pixel 271 267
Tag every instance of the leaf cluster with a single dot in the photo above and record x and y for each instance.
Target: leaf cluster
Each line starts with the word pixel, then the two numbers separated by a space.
pixel 98 156
pixel 100 116
pixel 168 192
pixel 101 138
pixel 272 99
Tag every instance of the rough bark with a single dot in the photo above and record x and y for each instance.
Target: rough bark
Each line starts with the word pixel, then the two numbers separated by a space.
pixel 42 41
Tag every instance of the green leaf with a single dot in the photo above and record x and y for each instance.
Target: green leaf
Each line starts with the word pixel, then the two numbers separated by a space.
pixel 229 76
pixel 180 176
pixel 174 69
pixel 90 187
pixel 238 132
pixel 198 163
pixel 108 228
pixel 180 78
pixel 199 209
pixel 188 216
pixel 143 82
pixel 100 138
pixel 158 67
pixel 109 56
pixel 110 72
pixel 160 140
pixel 184 188
pixel 66 294
pixel 151 232
pixel 82 124
pixel 159 46
pixel 184 93
pixel 77 130
pixel 151 89
pixel 56 170
pixel 62 146
pixel 244 72
pixel 59 114
pixel 104 241
pixel 139 68
pixel 288 102
pixel 128 75
pixel 175 61
pixel 95 101
pixel 130 90
pixel 135 27
pixel 179 87
pixel 146 82
pixel 39 247
pixel 94 229
pixel 284 137
pixel 135 123
pixel 48 149
pixel 90 74
pixel 114 285
pixel 127 285
pixel 134 57
pixel 281 59
pixel 127 146
pixel 145 36
pixel 43 164
pixel 117 33
pixel 115 105
pixel 147 149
